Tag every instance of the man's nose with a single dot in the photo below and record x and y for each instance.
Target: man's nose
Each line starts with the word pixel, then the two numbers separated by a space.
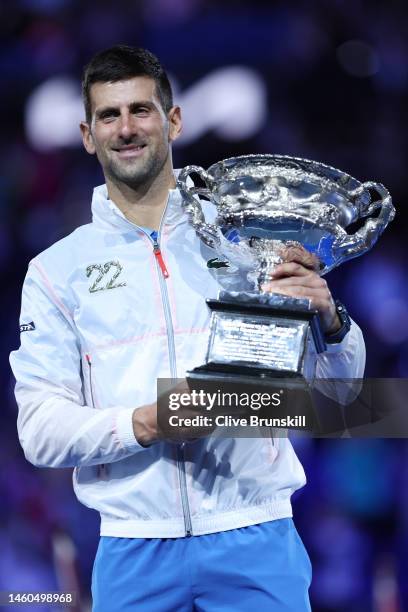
pixel 127 125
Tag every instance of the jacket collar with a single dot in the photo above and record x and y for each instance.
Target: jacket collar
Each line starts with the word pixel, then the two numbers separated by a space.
pixel 107 216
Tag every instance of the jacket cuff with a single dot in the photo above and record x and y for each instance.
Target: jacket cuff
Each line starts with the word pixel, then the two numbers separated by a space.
pixel 338 347
pixel 123 428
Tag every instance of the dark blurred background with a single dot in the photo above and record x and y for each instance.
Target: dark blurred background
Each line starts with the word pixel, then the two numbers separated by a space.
pixel 325 80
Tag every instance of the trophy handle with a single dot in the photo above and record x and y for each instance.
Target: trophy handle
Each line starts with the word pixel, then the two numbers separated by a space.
pixel 206 231
pixel 351 245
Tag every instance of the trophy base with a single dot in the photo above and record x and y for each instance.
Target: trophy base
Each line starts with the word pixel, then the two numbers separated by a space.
pixel 262 344
pixel 261 337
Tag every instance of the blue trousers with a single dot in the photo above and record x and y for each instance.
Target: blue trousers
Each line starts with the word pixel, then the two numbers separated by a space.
pixel 261 568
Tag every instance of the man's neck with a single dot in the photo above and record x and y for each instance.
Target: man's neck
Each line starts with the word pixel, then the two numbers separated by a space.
pixel 143 206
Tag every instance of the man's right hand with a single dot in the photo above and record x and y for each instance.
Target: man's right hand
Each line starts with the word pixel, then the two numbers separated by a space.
pixel 145 419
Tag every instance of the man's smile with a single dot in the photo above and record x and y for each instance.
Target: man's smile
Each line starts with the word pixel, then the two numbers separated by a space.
pixel 129 151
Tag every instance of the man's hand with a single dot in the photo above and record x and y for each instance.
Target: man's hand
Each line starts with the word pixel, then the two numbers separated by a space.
pixel 145 421
pixel 297 277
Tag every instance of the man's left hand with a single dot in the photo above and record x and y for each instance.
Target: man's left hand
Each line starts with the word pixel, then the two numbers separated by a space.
pixel 296 280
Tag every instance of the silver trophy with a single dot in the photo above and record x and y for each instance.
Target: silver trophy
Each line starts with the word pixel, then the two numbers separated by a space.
pixel 265 205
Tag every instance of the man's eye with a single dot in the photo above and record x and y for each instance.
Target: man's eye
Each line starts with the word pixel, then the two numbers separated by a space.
pixel 108 116
pixel 142 112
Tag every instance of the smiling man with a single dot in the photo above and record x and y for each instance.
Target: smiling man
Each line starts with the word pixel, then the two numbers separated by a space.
pixel 105 312
pixel 130 123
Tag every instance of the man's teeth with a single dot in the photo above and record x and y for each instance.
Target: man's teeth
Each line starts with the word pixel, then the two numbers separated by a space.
pixel 137 148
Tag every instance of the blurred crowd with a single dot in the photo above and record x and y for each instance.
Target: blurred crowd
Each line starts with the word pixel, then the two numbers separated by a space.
pixel 332 79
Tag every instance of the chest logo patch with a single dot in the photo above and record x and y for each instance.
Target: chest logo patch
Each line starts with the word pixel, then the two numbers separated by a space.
pixel 106 276
pixel 217 263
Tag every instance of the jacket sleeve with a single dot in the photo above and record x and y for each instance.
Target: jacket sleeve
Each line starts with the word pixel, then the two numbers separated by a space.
pixel 55 426
pixel 340 367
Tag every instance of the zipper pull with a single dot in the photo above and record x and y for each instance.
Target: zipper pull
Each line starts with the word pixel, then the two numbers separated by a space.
pixel 158 254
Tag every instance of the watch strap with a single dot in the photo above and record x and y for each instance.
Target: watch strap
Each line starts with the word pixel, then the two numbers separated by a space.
pixel 341 333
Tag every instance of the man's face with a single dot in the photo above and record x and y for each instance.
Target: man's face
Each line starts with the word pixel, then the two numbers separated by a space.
pixel 129 131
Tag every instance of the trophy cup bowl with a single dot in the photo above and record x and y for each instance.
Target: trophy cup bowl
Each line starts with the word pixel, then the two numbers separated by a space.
pixel 266 204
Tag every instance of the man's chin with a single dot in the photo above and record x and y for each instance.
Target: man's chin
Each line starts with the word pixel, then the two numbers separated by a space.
pixel 129 172
pixel 131 179
pixel 135 173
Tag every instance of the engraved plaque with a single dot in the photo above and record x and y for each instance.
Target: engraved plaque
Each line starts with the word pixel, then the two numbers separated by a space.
pixel 257 341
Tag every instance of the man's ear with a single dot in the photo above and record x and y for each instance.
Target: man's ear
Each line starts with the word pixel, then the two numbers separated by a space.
pixel 87 138
pixel 175 123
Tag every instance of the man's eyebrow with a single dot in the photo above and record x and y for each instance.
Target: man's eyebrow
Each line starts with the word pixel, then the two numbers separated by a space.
pixel 141 103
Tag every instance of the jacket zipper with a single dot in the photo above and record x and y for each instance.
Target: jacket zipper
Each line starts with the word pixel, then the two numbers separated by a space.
pixel 163 274
pixel 183 489
pixel 159 258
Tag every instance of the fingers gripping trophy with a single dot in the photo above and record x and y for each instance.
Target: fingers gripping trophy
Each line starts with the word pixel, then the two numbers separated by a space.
pixel 267 206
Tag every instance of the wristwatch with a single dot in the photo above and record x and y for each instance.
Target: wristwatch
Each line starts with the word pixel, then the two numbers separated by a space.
pixel 340 334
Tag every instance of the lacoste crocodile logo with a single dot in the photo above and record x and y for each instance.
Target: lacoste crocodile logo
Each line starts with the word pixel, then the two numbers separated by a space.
pixel 216 263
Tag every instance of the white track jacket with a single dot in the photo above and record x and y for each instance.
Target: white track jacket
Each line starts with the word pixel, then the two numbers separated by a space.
pixel 101 322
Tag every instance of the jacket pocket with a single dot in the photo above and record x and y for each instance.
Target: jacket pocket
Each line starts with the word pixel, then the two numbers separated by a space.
pixel 90 380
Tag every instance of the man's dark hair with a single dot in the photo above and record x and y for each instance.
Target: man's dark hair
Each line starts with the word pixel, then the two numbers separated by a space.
pixel 124 62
